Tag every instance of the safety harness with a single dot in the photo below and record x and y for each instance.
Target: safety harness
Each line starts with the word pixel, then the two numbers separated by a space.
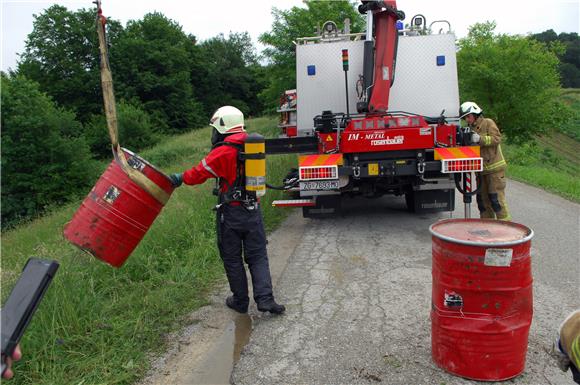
pixel 237 191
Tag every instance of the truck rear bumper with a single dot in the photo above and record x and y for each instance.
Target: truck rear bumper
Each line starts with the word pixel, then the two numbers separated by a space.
pixel 380 168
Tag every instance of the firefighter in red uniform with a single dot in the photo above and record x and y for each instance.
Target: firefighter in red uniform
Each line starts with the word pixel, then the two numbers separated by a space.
pixel 492 181
pixel 239 220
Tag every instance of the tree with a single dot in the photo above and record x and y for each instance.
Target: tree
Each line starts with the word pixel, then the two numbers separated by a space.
pixel 572 43
pixel 514 79
pixel 570 75
pixel 151 63
pixel 570 66
pixel 232 73
pixel 292 24
pixel 62 56
pixel 41 163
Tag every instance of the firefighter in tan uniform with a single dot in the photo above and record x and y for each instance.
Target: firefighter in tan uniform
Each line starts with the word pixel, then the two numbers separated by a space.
pixel 492 181
pixel 567 346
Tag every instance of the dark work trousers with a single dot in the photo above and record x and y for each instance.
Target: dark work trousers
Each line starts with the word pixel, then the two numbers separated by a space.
pixel 242 230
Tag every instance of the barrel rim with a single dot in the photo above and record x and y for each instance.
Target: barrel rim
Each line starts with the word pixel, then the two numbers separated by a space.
pixel 146 162
pixel 480 244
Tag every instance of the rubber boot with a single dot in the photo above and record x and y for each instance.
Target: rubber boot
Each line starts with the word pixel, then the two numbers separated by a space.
pixel 271 306
pixel 235 305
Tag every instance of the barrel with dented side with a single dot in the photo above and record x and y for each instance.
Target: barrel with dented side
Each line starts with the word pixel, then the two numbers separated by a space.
pixel 117 212
pixel 481 297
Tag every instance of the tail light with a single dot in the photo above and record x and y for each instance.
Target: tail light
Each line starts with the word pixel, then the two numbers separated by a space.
pixel 461 165
pixel 318 172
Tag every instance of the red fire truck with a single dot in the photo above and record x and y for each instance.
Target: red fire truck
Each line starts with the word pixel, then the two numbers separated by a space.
pixel 361 130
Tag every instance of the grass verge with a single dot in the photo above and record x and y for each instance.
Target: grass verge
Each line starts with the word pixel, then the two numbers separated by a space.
pixel 97 324
pixel 551 163
pixel 571 98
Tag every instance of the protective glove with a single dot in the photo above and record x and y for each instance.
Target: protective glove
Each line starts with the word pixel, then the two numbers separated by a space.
pixel 176 179
pixel 475 138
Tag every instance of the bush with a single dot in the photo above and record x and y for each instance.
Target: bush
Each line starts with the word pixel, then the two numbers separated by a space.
pixel 42 164
pixel 135 130
pixel 97 136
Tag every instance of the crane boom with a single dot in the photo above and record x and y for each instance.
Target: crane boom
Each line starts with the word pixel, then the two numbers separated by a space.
pixel 382 25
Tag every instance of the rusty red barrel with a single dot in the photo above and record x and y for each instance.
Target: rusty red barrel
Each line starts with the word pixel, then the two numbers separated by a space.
pixel 117 213
pixel 481 297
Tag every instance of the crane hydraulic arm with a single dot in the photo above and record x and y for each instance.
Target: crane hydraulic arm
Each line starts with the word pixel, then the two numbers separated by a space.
pixel 380 55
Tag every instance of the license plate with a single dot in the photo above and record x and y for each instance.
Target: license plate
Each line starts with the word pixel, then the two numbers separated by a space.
pixel 319 185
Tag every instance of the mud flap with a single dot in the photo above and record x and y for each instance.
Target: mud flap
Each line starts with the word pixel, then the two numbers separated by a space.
pixel 326 206
pixel 430 201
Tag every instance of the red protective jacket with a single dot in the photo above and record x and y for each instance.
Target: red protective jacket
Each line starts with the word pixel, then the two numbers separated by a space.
pixel 221 162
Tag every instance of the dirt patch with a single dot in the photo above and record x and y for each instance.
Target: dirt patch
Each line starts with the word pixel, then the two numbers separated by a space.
pixel 205 351
pixel 188 348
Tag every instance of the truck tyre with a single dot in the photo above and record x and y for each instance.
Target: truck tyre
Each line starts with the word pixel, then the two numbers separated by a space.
pixel 326 207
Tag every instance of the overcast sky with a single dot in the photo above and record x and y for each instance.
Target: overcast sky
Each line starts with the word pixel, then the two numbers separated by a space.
pixel 206 19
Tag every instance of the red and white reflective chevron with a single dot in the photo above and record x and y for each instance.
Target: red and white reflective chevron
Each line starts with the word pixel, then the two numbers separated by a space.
pixel 457 152
pixel 320 160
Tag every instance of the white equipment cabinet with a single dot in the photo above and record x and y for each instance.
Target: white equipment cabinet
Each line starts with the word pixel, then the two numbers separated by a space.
pixel 425 77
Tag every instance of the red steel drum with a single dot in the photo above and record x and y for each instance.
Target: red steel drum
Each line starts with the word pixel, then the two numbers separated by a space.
pixel 117 213
pixel 481 308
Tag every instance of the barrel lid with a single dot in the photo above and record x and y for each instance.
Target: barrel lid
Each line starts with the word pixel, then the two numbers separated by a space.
pixel 481 232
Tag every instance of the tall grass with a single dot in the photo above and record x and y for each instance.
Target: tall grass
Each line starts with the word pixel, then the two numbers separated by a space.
pixel 551 163
pixel 97 324
pixel 571 97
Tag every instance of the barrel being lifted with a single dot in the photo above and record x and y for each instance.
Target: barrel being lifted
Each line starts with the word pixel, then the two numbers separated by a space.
pixel 127 198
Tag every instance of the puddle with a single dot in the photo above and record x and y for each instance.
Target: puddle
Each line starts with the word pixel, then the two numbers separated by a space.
pixel 217 367
pixel 243 329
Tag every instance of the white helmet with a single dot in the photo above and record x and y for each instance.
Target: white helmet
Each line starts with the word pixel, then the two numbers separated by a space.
pixel 469 108
pixel 227 120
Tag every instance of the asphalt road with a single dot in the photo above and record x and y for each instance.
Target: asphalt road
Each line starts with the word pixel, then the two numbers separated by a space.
pixel 358 294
